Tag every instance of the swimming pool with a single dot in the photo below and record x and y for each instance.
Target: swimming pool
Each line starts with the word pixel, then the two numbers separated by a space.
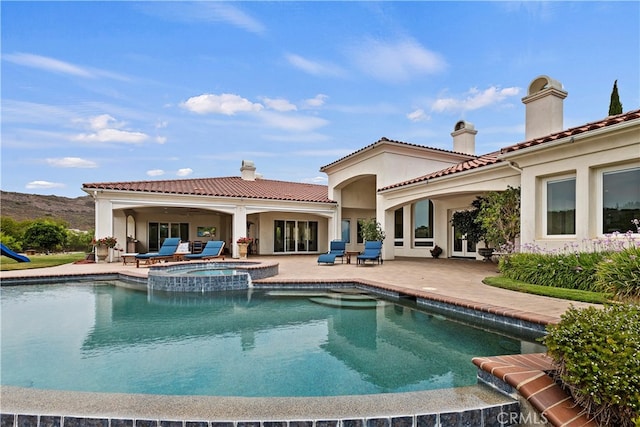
pixel 242 343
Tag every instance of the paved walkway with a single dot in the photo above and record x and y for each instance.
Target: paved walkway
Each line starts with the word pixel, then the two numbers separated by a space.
pixel 453 280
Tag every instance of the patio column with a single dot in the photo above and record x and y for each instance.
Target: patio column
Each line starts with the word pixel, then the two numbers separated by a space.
pixel 239 228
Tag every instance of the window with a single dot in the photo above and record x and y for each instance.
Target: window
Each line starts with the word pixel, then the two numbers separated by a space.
pixel 346 230
pixel 398 227
pixel 620 200
pixel 561 206
pixel 423 223
pixel 359 238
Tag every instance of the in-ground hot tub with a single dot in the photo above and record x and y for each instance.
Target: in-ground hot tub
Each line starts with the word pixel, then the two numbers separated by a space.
pixel 208 276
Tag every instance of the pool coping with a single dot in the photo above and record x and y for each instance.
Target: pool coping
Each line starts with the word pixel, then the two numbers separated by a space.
pixel 530 375
pixel 138 281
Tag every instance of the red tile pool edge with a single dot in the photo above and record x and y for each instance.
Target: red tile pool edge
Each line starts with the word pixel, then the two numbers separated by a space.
pixel 527 373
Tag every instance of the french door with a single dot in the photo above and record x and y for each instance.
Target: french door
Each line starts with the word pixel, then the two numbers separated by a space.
pixel 461 246
pixel 295 236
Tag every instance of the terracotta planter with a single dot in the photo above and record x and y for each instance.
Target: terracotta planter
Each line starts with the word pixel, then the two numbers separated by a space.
pixel 102 252
pixel 242 250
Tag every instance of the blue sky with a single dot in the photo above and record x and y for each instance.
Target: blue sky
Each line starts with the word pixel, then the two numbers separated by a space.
pixel 128 91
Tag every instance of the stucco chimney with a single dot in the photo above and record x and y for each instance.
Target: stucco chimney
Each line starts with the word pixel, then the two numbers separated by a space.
pixel 464 138
pixel 248 170
pixel 544 107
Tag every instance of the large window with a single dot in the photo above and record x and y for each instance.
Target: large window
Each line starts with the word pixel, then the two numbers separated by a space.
pixel 295 236
pixel 620 200
pixel 561 206
pixel 423 223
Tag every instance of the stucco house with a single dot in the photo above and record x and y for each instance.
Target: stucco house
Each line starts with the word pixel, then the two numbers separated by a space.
pixel 576 184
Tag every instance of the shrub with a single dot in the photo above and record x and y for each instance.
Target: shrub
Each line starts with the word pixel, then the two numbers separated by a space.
pixel 571 270
pixel 619 273
pixel 597 356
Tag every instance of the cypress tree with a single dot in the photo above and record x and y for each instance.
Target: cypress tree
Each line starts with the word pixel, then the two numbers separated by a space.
pixel 615 107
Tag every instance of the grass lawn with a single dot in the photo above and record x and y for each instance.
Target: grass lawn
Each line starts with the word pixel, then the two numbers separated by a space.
pixel 40 261
pixel 568 294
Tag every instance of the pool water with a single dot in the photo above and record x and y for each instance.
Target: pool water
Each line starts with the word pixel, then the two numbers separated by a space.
pixel 243 343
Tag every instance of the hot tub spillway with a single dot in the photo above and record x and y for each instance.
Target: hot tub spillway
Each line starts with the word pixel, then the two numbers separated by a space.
pixel 209 277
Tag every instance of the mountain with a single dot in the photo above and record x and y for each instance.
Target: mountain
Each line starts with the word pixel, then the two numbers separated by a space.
pixel 78 213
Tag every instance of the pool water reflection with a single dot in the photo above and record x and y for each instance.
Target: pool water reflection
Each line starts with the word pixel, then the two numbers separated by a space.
pixel 238 343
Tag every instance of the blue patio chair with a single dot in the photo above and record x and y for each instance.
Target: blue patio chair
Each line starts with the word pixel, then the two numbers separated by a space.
pixel 166 252
pixel 372 251
pixel 336 249
pixel 213 249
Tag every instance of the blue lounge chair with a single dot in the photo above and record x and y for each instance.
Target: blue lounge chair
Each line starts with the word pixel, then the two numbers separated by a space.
pixel 372 251
pixel 168 248
pixel 336 249
pixel 213 249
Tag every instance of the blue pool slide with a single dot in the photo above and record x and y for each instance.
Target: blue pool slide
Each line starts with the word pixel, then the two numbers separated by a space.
pixel 9 253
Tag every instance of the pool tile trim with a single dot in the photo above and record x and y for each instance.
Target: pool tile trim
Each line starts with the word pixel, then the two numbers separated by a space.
pixel 529 375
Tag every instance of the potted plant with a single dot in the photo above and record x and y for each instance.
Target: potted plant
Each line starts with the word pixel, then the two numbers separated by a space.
pixel 103 245
pixel 467 223
pixel 494 219
pixel 436 251
pixel 243 245
pixel 370 230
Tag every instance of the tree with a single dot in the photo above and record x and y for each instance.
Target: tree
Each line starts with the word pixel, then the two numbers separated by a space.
pixel 45 235
pixel 499 216
pixel 615 107
pixel 370 230
pixel 466 222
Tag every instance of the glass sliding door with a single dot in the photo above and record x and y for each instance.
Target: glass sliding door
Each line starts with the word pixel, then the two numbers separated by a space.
pixel 295 236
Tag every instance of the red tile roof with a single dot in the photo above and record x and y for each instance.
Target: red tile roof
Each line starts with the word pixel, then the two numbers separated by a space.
pixel 492 158
pixel 485 160
pixel 265 189
pixel 609 121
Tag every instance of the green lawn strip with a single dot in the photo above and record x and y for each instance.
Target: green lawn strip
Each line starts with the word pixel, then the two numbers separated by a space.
pixel 40 261
pixel 568 294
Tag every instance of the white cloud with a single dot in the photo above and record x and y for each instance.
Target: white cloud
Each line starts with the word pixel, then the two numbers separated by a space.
pixel 113 135
pixel 71 162
pixel 155 172
pixel 226 103
pixel 107 129
pixel 43 184
pixel 204 11
pixel 184 172
pixel 61 67
pixel 161 139
pixel 313 67
pixel 397 61
pixel 279 104
pixel 475 99
pixel 316 101
pixel 235 16
pixel 418 116
pixel 316 180
pixel 292 123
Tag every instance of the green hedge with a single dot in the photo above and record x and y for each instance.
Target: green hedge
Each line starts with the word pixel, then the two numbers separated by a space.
pixel 571 271
pixel 619 273
pixel 597 356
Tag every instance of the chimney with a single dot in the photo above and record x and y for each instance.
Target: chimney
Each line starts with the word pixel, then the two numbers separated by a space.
pixel 544 107
pixel 464 138
pixel 248 170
